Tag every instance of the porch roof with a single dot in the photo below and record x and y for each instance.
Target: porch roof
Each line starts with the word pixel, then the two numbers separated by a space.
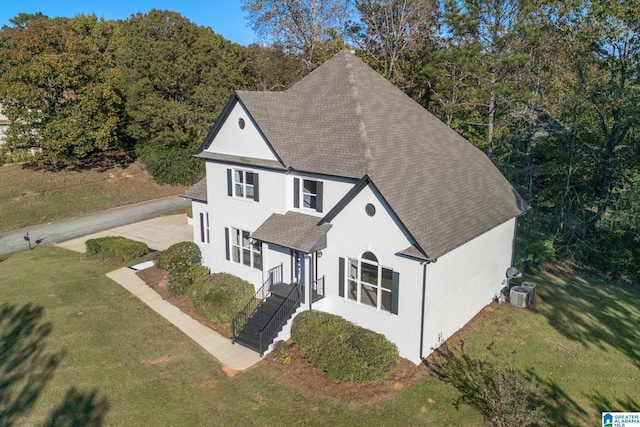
pixel 293 230
pixel 197 192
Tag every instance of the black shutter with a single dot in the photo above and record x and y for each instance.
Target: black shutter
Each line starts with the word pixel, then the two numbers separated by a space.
pixel 319 196
pixel 202 227
pixel 229 182
pixel 395 287
pixel 256 188
pixel 226 243
pixel 296 192
pixel 341 277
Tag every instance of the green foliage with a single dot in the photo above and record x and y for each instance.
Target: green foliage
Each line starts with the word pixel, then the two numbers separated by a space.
pixel 179 283
pixel 341 349
pixel 176 77
pixel 172 165
pixel 118 247
pixel 58 92
pixel 219 296
pixel 534 247
pixel 177 259
pixel 615 246
pixel 281 352
pixel 502 394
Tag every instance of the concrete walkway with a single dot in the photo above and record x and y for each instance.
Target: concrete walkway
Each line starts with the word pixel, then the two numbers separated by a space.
pixel 232 356
pixel 160 233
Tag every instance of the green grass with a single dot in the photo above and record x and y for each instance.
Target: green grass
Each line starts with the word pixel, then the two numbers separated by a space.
pixel 110 358
pixel 35 196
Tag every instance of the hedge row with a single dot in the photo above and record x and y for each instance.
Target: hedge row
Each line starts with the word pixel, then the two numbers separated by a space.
pixel 343 350
pixel 118 247
pixel 219 296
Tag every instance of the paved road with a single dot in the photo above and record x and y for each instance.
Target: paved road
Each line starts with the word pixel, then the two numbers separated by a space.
pixel 60 231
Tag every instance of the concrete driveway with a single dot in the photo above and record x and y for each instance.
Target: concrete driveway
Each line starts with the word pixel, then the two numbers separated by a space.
pixel 159 233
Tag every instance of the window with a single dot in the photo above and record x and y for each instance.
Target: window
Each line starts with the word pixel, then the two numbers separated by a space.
pixel 310 193
pixel 204 227
pixel 242 250
pixel 369 283
pixel 243 184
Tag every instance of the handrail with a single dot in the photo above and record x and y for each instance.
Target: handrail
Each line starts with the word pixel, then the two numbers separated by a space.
pixel 242 316
pixel 317 289
pixel 269 331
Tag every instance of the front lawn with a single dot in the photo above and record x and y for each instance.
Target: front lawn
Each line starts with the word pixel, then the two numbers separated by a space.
pixel 75 342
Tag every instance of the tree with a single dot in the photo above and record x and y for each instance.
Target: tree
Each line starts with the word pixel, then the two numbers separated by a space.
pixel 492 32
pixel 57 93
pixel 392 29
pixel 301 26
pixel 271 68
pixel 176 77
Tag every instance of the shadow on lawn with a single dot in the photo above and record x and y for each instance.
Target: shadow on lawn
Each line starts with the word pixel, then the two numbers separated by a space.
pixel 558 406
pixel 602 404
pixel 26 367
pixel 594 313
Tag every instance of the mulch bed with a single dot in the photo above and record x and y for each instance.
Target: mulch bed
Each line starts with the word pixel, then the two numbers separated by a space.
pixel 299 374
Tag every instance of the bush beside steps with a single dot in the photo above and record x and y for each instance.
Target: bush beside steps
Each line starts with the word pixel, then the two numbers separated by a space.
pixel 341 349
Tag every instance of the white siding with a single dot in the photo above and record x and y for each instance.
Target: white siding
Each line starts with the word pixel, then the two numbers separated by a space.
pixel 234 212
pixel 205 249
pixel 275 196
pixel 247 142
pixel 353 233
pixel 462 282
pixel 334 189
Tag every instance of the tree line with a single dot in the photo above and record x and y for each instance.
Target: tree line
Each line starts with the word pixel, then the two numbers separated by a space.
pixel 548 89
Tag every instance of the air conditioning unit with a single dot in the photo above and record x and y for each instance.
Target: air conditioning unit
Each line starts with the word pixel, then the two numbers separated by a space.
pixel 520 296
pixel 531 287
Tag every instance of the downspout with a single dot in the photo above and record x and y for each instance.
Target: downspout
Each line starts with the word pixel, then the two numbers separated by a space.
pixel 424 292
pixel 311 278
pixel 424 297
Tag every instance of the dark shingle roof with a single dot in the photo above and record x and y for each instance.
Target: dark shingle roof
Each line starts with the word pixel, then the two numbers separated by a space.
pixel 197 192
pixel 293 230
pixel 345 119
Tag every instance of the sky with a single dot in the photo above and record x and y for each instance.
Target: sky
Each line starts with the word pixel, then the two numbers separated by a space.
pixel 223 16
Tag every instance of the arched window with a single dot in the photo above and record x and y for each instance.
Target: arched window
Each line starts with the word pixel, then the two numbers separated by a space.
pixel 371 284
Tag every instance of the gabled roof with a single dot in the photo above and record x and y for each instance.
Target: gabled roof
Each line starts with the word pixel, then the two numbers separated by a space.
pixel 293 230
pixel 344 119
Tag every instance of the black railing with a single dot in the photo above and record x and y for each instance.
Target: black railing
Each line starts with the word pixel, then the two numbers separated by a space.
pixel 242 316
pixel 273 326
pixel 317 289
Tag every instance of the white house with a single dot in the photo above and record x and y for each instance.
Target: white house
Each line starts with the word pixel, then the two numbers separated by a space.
pixel 376 210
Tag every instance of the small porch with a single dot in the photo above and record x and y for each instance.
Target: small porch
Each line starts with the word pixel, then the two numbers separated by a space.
pixel 258 324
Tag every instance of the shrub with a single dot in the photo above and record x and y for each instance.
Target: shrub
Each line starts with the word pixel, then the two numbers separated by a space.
pixel 172 165
pixel 503 395
pixel 179 283
pixel 179 258
pixel 118 247
pixel 219 296
pixel 341 349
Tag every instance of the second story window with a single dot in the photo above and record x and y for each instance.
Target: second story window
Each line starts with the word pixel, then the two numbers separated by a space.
pixel 242 184
pixel 307 194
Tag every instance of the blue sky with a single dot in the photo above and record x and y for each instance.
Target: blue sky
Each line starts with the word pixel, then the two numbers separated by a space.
pixel 223 16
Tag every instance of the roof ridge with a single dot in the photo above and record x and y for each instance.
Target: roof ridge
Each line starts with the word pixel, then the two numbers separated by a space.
pixel 362 126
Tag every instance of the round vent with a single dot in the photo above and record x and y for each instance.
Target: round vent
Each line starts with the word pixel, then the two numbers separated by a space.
pixel 370 209
pixel 241 123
